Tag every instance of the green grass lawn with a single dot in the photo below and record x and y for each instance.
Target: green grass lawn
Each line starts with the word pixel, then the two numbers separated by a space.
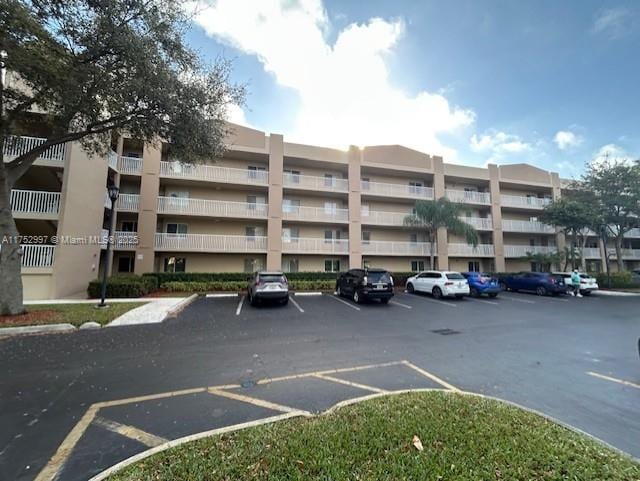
pixel 75 314
pixel 464 438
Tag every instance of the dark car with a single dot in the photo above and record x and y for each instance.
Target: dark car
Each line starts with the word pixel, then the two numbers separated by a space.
pixel 268 286
pixel 481 283
pixel 365 284
pixel 542 283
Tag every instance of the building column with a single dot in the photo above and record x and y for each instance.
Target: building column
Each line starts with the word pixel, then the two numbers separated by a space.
pixel 147 211
pixel 274 222
pixel 114 217
pixel 496 218
pixel 603 254
pixel 442 240
pixel 355 208
pixel 556 194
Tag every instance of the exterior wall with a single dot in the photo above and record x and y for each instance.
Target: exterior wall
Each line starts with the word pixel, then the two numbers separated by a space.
pixel 147 216
pixel 37 286
pixel 315 263
pixel 196 262
pixel 274 229
pixel 395 264
pixel 517 265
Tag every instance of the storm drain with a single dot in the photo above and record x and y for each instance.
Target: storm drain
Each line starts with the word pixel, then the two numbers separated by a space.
pixel 445 332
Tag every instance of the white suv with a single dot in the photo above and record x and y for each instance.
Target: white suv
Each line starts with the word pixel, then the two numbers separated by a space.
pixel 439 284
pixel 588 284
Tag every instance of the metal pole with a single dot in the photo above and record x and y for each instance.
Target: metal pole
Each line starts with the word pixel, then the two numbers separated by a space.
pixel 103 290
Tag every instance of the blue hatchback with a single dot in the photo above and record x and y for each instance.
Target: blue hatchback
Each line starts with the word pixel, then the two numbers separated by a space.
pixel 480 283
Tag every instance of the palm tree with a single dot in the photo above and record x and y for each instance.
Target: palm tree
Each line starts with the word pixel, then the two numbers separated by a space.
pixel 430 215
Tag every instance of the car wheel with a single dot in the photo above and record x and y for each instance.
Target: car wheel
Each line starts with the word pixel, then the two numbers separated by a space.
pixel 503 286
pixel 285 301
pixel 459 296
pixel 253 301
pixel 541 291
pixel 356 297
pixel 384 301
pixel 410 288
pixel 475 292
pixel 586 293
pixel 437 292
pixel 493 294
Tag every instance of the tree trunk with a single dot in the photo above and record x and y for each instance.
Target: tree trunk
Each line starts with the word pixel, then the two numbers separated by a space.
pixel 583 261
pixel 618 243
pixel 431 255
pixel 10 253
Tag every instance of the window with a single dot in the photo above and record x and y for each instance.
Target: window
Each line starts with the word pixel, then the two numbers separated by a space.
pixel 291 205
pixel 331 235
pixel 252 264
pixel 366 237
pixel 364 210
pixel 252 232
pixel 365 183
pixel 332 265
pixel 290 265
pixel 366 263
pixel 330 207
pixel 417 266
pixel 413 237
pixel 474 266
pixel 179 200
pixel 175 264
pixel 292 175
pixel 415 187
pixel 254 200
pixel 176 228
pixel 532 242
pixel 129 226
pixel 290 234
pixel 125 263
pixel 329 180
pixel 256 173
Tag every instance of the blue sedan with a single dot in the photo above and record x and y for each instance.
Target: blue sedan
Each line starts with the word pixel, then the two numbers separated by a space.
pixel 480 283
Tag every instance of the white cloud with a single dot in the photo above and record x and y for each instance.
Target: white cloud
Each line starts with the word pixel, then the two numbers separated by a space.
pixel 565 139
pixel 345 93
pixel 612 153
pixel 499 146
pixel 613 22
pixel 236 115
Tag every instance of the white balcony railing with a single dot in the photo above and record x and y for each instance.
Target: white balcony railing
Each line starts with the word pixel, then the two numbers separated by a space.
pixel 374 217
pixel 128 202
pixel 396 248
pixel 209 243
pixel 466 250
pixel 321 214
pixel 396 190
pixel 34 202
pixel 523 201
pixel 15 146
pixel 521 251
pixel 37 255
pixel 630 254
pixel 113 160
pixel 211 208
pixel 122 240
pixel 479 223
pixel 130 165
pixel 591 253
pixel 312 182
pixel 468 197
pixel 315 245
pixel 633 233
pixel 213 173
pixel 509 225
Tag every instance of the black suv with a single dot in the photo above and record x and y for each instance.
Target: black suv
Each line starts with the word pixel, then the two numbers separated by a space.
pixel 365 284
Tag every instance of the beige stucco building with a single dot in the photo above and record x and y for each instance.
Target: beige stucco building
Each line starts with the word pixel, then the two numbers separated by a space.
pixel 273 204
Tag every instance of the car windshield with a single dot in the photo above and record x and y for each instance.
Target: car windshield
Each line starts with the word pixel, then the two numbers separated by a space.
pixel 378 276
pixel 271 278
pixel 454 276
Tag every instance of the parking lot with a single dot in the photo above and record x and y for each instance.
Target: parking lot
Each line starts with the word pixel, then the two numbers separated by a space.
pixel 107 395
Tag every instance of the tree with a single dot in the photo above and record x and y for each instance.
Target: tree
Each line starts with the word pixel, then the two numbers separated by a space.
pixel 576 215
pixel 97 70
pixel 543 259
pixel 615 186
pixel 430 215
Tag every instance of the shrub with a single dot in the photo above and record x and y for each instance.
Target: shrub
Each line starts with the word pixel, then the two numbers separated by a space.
pixel 196 286
pixel 124 286
pixel 618 280
pixel 164 277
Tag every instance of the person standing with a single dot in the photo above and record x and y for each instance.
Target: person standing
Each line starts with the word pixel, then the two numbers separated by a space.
pixel 575 282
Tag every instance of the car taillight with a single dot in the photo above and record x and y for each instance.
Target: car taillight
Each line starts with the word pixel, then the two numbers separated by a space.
pixel 553 281
pixel 391 279
pixel 365 281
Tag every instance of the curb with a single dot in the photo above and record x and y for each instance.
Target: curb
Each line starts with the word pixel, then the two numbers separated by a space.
pixel 43 328
pixel 348 402
pixel 175 310
pixel 616 293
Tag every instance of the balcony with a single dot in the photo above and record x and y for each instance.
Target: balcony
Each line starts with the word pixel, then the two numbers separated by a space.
pixel 521 251
pixel 384 218
pixel 312 182
pixel 627 254
pixel 591 253
pixel 468 197
pixel 113 160
pixel 392 248
pixel 466 250
pixel 34 204
pixel 211 208
pixel 523 202
pixel 395 190
pixel 213 173
pixel 130 165
pixel 128 202
pixel 633 233
pixel 37 256
pixel 122 240
pixel 15 145
pixel 315 214
pixel 306 245
pixel 509 225
pixel 479 223
pixel 209 243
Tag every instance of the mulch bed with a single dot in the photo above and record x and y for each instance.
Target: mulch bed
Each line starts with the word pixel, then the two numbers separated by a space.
pixel 30 318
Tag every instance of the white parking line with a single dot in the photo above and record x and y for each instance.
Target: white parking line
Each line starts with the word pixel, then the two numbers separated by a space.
pixel 401 305
pixel 613 379
pixel 484 301
pixel 239 306
pixel 450 304
pixel 517 300
pixel 308 293
pixel 296 304
pixel 344 302
pixel 221 296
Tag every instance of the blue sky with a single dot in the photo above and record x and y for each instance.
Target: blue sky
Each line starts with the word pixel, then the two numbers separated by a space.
pixel 552 83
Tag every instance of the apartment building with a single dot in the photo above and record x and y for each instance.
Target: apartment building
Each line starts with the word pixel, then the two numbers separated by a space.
pixel 272 204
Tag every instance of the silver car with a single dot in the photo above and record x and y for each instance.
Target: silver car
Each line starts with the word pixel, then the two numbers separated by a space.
pixel 268 285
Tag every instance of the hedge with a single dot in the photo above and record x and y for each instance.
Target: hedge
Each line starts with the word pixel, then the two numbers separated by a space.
pixel 164 277
pixel 124 286
pixel 618 280
pixel 196 286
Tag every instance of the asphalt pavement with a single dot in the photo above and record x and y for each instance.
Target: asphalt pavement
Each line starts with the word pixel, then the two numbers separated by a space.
pixel 73 404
